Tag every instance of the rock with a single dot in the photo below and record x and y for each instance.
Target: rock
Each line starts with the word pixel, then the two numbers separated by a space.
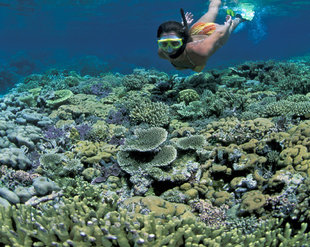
pixel 21 121
pixel 23 193
pixel 9 195
pixel 15 158
pixel 31 117
pixel 4 203
pixel 44 186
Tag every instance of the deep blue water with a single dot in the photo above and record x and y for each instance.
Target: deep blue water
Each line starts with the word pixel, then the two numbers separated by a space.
pixel 98 35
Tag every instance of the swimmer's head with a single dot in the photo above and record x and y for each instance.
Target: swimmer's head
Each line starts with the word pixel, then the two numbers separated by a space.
pixel 176 28
pixel 173 26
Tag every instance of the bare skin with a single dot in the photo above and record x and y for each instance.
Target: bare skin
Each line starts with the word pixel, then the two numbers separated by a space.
pixel 200 47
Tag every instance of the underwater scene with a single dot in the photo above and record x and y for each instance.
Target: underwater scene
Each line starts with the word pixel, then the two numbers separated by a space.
pixel 154 123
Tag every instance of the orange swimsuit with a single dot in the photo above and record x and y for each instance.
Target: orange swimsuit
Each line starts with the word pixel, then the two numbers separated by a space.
pixel 201 28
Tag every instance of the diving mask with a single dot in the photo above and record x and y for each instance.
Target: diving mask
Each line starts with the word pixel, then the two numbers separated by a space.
pixel 170 44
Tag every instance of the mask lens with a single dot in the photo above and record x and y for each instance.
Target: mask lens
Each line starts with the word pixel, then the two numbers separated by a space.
pixel 163 44
pixel 176 44
pixel 170 43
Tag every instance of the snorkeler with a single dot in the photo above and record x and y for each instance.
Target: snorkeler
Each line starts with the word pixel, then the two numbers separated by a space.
pixel 191 48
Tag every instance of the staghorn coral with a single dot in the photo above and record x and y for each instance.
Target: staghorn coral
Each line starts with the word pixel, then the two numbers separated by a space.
pixel 102 224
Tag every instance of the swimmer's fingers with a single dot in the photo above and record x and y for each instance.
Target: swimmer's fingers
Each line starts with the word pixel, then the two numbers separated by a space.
pixel 189 17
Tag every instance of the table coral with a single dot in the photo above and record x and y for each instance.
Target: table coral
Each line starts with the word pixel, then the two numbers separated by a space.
pixel 145 139
pixel 61 97
pixel 193 142
pixel 144 153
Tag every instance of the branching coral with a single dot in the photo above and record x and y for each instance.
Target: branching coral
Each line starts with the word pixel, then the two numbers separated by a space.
pixel 153 113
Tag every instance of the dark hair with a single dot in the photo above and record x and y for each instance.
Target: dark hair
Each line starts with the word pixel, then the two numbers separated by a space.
pixel 174 26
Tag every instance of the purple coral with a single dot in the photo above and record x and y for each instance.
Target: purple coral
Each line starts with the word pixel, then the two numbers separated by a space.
pixel 118 117
pixel 99 90
pixel 107 169
pixel 117 141
pixel 53 133
pixel 83 130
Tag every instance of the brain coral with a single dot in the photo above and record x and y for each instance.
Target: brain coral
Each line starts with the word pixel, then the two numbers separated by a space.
pixel 188 95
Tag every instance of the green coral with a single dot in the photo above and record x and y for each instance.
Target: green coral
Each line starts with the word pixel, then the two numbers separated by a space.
pixel 92 152
pixel 253 201
pixel 143 155
pixel 132 161
pixel 31 99
pixel 146 139
pixel 44 186
pixel 76 224
pixel 191 142
pixel 284 107
pixel 52 164
pixel 71 81
pixel 233 80
pixel 199 80
pixel 193 110
pixel 141 152
pixel 134 81
pixel 152 113
pixel 60 97
pixel 57 165
pixel 188 95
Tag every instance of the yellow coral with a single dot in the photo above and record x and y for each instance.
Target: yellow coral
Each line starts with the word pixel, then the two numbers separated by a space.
pixel 158 207
pixel 90 152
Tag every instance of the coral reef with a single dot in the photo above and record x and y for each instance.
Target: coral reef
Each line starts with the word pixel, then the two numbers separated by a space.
pixel 220 158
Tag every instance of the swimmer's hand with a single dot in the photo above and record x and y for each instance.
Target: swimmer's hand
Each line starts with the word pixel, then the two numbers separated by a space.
pixel 189 18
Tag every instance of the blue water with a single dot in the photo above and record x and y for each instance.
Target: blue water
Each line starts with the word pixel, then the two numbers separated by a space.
pixel 94 36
